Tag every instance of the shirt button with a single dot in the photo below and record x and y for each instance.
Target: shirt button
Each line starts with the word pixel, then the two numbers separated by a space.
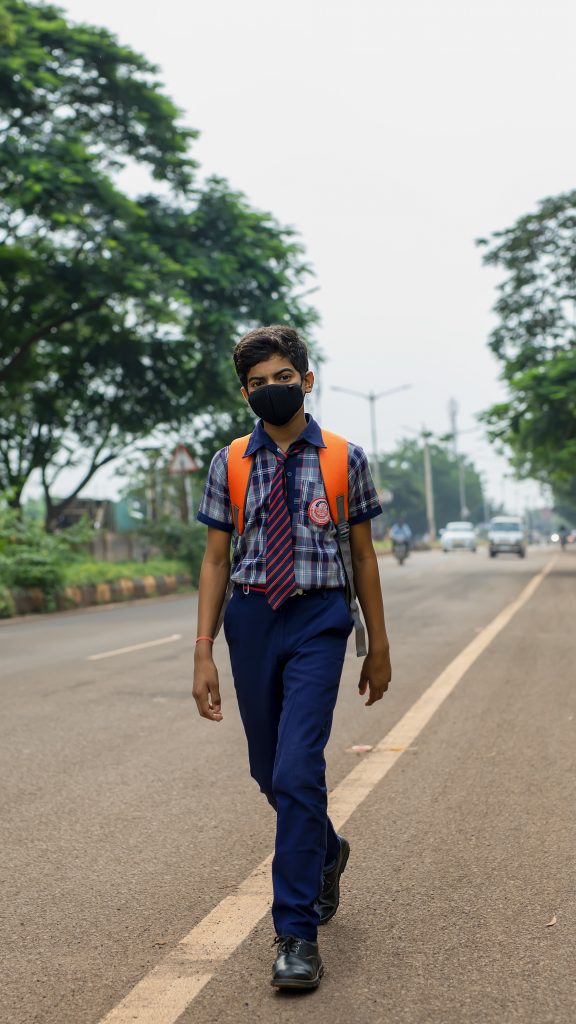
pixel 288 473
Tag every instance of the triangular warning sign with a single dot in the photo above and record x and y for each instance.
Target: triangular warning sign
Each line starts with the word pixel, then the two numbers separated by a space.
pixel 182 461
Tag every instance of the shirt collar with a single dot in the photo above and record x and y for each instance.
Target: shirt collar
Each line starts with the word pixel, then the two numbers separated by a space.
pixel 260 439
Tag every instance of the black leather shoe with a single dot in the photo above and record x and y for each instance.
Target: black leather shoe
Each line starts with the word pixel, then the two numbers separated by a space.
pixel 327 903
pixel 298 964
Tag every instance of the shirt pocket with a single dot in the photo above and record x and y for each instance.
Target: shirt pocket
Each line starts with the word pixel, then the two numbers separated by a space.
pixel 313 511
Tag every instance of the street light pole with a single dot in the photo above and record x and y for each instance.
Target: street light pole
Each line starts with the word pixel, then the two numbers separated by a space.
pixel 453 414
pixel 484 496
pixel 428 485
pixel 377 479
pixel 424 436
pixel 372 397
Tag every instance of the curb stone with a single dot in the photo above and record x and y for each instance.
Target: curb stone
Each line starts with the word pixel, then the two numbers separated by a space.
pixel 34 600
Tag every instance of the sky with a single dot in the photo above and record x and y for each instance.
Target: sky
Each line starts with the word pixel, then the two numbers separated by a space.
pixel 391 136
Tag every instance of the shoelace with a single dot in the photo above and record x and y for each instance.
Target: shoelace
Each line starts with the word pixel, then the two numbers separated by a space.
pixel 287 944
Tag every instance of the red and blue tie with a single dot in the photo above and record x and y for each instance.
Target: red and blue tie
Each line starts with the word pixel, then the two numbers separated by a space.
pixel 280 579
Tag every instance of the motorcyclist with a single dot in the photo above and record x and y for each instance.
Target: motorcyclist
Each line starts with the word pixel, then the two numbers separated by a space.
pixel 400 532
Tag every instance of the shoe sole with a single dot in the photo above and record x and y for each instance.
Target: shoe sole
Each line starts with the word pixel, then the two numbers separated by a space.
pixel 345 856
pixel 287 983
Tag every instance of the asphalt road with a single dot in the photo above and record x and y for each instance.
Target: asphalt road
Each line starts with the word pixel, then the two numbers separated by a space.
pixel 126 818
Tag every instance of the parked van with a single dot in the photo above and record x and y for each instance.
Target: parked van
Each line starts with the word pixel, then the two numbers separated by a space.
pixel 506 534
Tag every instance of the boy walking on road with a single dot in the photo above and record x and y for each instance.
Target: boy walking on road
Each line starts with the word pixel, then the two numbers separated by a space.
pixel 288 621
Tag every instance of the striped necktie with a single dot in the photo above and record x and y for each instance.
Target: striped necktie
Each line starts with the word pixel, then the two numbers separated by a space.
pixel 280 579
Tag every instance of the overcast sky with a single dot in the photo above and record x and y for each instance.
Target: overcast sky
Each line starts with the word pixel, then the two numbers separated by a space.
pixel 391 135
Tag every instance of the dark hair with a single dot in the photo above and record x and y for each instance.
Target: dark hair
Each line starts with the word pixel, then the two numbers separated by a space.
pixel 258 345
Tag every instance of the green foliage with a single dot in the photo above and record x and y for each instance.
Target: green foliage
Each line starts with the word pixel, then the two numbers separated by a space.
pixel 535 341
pixel 29 557
pixel 182 541
pixel 78 574
pixel 18 532
pixel 7 606
pixel 565 501
pixel 32 569
pixel 402 473
pixel 117 314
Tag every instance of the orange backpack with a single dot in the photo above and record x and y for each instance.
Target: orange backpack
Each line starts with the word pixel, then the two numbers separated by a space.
pixel 334 469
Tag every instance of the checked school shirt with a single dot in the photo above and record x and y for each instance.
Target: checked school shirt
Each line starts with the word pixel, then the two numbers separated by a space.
pixel 317 561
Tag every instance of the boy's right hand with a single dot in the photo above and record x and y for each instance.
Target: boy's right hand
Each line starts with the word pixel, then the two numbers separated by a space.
pixel 206 689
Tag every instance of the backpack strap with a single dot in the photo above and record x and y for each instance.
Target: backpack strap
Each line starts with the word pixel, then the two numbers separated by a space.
pixel 334 469
pixel 239 470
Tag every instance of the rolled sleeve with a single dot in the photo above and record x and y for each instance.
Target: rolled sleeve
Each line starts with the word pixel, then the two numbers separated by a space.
pixel 215 509
pixel 363 501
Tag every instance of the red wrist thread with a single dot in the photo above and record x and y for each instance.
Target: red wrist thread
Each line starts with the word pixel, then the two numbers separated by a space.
pixel 210 638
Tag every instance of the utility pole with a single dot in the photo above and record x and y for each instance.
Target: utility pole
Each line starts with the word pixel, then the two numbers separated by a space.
pixel 151 482
pixel 372 397
pixel 425 436
pixel 483 485
pixel 182 463
pixel 372 400
pixel 453 415
pixel 317 394
pixel 428 485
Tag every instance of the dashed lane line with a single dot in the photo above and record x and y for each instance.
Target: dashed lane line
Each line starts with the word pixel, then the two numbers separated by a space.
pixel 135 647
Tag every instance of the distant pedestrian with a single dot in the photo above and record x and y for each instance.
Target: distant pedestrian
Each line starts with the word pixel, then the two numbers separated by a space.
pixel 298 502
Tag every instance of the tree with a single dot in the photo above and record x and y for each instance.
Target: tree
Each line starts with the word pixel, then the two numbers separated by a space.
pixel 402 473
pixel 117 314
pixel 535 341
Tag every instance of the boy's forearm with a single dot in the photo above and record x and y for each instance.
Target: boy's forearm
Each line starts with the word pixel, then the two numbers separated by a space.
pixel 367 583
pixel 214 578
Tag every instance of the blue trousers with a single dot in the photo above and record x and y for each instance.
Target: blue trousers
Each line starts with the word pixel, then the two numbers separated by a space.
pixel 287 666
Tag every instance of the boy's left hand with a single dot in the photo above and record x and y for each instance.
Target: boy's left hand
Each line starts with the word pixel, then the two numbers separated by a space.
pixel 375 676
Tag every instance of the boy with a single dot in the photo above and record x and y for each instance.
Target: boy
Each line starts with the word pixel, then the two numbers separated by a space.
pixel 287 626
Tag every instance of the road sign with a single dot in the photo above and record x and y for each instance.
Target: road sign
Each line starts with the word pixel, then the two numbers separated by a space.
pixel 182 461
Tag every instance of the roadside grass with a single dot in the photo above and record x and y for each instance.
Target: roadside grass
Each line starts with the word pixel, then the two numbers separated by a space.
pixel 78 574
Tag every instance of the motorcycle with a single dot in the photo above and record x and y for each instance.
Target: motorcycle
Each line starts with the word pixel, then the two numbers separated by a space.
pixel 401 550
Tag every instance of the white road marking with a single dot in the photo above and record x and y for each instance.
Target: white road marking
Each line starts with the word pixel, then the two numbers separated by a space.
pixel 169 988
pixel 135 647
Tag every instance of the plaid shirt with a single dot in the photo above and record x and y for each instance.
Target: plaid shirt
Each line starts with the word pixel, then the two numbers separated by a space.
pixel 317 561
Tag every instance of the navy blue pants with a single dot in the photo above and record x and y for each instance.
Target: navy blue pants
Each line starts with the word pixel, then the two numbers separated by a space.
pixel 286 666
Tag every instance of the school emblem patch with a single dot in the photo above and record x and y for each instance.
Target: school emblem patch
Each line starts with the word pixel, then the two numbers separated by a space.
pixel 319 512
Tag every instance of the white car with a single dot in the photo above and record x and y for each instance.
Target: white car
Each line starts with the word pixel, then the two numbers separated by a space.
pixel 458 535
pixel 506 534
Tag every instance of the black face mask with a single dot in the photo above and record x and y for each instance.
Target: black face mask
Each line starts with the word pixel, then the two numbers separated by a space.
pixel 277 403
